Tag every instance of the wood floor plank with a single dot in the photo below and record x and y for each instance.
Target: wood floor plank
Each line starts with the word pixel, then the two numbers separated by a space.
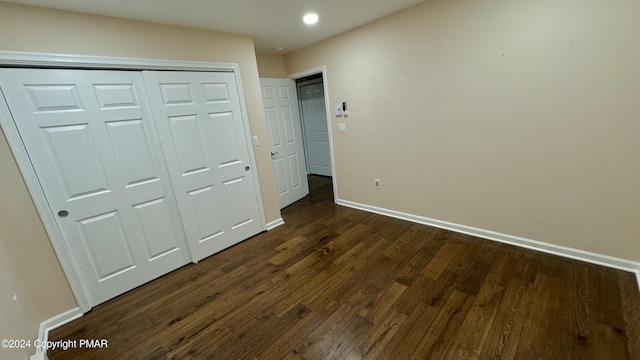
pixel 564 311
pixel 436 343
pixel 376 309
pixel 467 251
pixel 287 250
pixel 631 311
pixel 339 283
pixel 503 338
pixel 441 260
pixel 607 309
pixel 474 330
pixel 332 338
pixel 294 337
pixel 252 334
pixel 411 333
pixel 382 332
pixel 534 340
pixel 336 281
pixel 419 260
pixel 581 310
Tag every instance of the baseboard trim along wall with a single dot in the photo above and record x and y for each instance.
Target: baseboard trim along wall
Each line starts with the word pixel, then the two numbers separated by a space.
pixel 274 224
pixel 567 252
pixel 50 324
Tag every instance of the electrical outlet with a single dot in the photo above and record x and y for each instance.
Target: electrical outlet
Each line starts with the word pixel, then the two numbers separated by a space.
pixel 376 183
pixel 18 304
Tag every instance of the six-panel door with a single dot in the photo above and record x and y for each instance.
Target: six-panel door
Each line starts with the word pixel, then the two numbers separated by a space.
pixel 316 129
pixel 283 119
pixel 202 133
pixel 91 139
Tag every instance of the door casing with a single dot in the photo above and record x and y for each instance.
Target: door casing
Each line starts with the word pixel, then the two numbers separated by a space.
pixel 46 60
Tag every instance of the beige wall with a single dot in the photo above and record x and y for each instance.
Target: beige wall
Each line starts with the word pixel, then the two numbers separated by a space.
pixel 35 29
pixel 516 117
pixel 271 66
pixel 26 241
pixel 15 325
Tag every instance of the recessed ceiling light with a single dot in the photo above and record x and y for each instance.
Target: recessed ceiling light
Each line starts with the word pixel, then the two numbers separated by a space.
pixel 310 18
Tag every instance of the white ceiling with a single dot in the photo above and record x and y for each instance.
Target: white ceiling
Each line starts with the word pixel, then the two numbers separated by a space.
pixel 271 23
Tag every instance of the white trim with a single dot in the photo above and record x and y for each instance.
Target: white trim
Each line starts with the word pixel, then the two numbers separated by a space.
pixel 564 251
pixel 325 82
pixel 274 224
pixel 29 59
pixel 34 59
pixel 51 324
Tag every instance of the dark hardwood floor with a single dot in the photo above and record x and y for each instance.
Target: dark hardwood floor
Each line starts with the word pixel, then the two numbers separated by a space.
pixel 338 283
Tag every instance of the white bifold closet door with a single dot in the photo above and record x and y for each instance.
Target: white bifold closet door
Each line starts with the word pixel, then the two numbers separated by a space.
pixel 91 139
pixel 199 121
pixel 143 171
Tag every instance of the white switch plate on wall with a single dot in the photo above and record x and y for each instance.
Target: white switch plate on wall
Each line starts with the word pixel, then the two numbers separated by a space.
pixel 342 127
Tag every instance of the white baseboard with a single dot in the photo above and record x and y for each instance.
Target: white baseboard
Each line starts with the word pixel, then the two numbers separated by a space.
pixel 567 252
pixel 50 324
pixel 274 224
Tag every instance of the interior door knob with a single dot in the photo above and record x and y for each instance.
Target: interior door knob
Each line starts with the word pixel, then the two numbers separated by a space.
pixel 63 213
pixel 274 153
pixel 247 168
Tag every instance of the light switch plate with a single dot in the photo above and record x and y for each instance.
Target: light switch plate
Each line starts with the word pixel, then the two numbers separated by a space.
pixel 256 142
pixel 342 127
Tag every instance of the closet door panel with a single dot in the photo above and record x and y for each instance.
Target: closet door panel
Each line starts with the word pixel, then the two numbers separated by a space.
pixel 92 142
pixel 203 135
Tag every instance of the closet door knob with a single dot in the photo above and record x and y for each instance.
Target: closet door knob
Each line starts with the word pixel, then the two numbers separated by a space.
pixel 247 168
pixel 63 213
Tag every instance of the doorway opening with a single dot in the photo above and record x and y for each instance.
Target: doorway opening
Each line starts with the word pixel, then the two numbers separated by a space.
pixel 315 133
pixel 300 132
pixel 315 130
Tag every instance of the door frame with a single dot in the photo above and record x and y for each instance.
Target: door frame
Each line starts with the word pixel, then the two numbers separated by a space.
pixel 66 61
pixel 325 84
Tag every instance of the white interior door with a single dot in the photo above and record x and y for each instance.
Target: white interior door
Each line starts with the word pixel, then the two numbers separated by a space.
pixel 91 140
pixel 287 148
pixel 316 131
pixel 203 135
